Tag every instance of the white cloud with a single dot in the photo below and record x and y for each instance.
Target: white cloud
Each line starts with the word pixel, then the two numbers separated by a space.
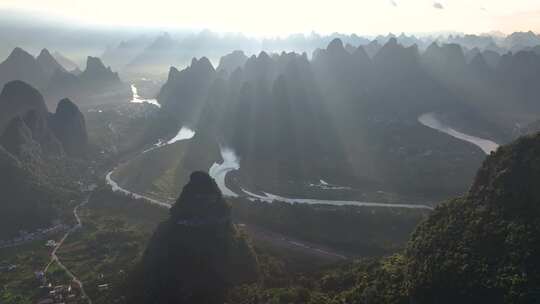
pixel 281 17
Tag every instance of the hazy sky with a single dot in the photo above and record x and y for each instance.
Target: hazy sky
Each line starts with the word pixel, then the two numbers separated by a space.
pixel 279 17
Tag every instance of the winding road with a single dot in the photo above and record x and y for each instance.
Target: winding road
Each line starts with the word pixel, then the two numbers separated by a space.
pixel 54 256
pixel 116 188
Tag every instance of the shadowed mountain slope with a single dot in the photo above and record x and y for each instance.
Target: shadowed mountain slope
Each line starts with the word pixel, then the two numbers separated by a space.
pixel 195 255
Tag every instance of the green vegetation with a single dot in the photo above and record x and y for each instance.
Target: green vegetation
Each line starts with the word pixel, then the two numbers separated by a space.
pixel 114 234
pixel 19 286
pixel 118 128
pixel 360 231
pixel 482 248
pixel 491 236
pixel 160 173
pixel 32 199
pixel 361 281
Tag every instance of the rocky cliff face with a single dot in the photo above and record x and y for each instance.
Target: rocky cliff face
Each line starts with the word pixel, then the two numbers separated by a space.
pixel 20 65
pixel 197 254
pixel 24 120
pixel 29 131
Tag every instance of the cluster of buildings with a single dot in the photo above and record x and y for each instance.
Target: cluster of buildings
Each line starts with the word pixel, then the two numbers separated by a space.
pixel 7 267
pixel 39 234
pixel 60 294
pixel 57 294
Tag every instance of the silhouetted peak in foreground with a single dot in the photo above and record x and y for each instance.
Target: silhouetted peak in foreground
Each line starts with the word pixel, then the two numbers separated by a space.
pixel 195 255
pixel 201 200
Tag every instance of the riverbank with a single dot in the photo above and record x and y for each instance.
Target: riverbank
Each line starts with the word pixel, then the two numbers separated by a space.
pixel 431 120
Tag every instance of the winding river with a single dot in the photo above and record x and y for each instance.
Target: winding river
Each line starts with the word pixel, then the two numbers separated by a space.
pixel 430 120
pixel 268 197
pixel 138 99
pixel 219 171
pixel 184 133
pixel 116 188
pixel 231 162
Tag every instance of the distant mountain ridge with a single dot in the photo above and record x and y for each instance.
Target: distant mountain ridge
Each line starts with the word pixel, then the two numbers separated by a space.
pixel 48 63
pixel 153 55
pixel 275 102
pixel 33 147
pixel 20 65
pixel 96 84
pixel 26 119
pixel 65 62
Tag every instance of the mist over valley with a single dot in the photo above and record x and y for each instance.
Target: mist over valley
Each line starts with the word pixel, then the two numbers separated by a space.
pixel 146 158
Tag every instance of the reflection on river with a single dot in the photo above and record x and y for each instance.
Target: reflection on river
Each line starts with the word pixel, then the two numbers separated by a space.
pixel 231 162
pixel 430 120
pixel 268 197
pixel 116 188
pixel 137 99
pixel 219 171
pixel 183 134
